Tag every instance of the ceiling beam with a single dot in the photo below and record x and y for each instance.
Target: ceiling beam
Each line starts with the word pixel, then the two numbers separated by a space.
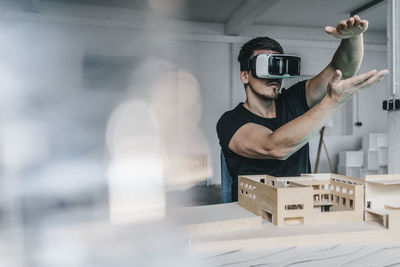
pixel 247 13
pixel 365 7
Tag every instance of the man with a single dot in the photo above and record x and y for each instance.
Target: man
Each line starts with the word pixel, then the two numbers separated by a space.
pixel 269 132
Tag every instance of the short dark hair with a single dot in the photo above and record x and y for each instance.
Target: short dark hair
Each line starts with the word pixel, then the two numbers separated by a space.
pixel 258 43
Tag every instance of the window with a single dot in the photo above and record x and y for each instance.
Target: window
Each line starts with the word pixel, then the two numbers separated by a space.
pixel 325 208
pixel 266 217
pixel 294 207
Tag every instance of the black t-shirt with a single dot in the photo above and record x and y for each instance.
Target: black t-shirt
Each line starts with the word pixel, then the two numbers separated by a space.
pixel 290 104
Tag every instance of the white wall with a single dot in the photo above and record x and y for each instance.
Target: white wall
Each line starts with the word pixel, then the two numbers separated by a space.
pixel 204 52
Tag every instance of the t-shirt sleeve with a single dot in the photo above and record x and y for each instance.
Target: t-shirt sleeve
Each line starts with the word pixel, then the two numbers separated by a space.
pixel 227 126
pixel 296 98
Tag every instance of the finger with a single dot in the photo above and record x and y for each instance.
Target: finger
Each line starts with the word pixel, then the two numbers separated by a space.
pixel 363 77
pixel 384 72
pixel 364 24
pixel 341 25
pixel 350 22
pixel 330 30
pixel 357 20
pixel 381 74
pixel 377 77
pixel 354 81
pixel 336 77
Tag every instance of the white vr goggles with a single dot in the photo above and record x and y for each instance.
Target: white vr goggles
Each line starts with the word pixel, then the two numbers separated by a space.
pixel 273 66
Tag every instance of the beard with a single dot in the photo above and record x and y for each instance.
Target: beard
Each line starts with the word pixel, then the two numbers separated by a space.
pixel 267 97
pixel 271 97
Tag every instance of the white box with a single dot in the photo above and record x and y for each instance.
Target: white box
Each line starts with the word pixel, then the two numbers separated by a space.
pixel 351 158
pixel 368 172
pixel 383 156
pixel 381 140
pixel 349 171
pixel 370 142
pixel 371 160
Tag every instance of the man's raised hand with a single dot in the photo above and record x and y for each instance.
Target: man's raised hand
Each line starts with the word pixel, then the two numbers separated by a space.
pixel 351 27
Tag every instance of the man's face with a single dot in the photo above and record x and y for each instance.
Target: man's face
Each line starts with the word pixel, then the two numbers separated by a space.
pixel 268 89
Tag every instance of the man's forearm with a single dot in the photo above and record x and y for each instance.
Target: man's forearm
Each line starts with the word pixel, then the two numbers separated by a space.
pixel 293 135
pixel 349 55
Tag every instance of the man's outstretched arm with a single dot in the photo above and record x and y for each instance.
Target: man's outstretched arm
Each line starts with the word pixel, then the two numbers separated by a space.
pixel 256 141
pixel 347 57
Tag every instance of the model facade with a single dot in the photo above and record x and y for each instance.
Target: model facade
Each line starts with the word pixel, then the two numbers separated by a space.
pixel 382 197
pixel 308 199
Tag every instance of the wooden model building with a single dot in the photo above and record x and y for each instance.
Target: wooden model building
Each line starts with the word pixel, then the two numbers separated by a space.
pixel 382 197
pixel 308 199
pixel 324 208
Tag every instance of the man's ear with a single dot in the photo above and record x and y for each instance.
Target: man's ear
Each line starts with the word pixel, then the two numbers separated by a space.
pixel 244 76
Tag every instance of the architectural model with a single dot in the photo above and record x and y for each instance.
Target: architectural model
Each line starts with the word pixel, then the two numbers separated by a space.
pixel 320 198
pixel 382 197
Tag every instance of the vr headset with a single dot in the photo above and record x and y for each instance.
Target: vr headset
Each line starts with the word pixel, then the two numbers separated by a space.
pixel 273 66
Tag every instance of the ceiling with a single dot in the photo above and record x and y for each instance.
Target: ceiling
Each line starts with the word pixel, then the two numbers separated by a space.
pixel 314 13
pixel 216 11
pixel 299 13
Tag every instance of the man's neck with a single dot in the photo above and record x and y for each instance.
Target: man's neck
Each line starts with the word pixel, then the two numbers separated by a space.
pixel 262 108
